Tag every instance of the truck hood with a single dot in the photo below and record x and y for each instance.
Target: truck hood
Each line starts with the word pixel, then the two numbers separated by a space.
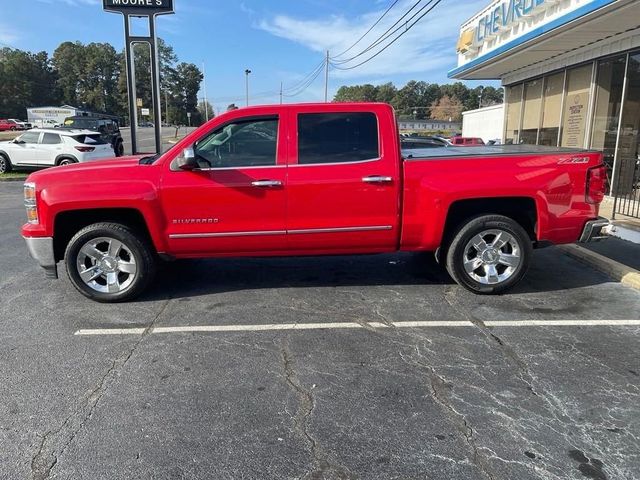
pixel 96 171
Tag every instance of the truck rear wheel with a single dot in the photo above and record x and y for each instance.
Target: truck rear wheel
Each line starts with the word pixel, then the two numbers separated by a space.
pixel 108 262
pixel 489 254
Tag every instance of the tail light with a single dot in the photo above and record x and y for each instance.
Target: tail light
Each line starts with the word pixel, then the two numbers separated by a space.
pixel 85 149
pixel 596 184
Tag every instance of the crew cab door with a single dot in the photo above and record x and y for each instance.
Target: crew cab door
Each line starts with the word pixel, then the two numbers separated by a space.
pixel 234 202
pixel 343 180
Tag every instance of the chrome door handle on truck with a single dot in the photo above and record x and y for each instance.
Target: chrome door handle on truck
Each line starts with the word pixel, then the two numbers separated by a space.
pixel 377 179
pixel 267 183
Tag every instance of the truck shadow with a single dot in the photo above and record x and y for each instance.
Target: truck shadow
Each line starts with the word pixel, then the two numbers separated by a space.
pixel 551 270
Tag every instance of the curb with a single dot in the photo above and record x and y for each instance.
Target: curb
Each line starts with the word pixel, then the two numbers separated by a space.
pixel 621 273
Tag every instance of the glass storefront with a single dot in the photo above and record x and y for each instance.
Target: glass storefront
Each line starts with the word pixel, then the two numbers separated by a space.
pixel 570 109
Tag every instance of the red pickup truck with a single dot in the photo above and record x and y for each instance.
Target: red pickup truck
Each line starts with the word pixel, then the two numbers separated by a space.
pixel 310 179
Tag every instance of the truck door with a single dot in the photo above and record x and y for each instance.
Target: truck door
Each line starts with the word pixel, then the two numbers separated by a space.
pixel 235 201
pixel 343 181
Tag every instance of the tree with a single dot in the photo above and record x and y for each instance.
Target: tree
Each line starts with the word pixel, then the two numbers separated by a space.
pixel 206 110
pixel 386 92
pixel 184 84
pixel 447 108
pixel 26 80
pixel 99 83
pixel 356 93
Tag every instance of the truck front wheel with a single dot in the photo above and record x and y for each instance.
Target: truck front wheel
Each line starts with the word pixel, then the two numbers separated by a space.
pixel 109 262
pixel 489 254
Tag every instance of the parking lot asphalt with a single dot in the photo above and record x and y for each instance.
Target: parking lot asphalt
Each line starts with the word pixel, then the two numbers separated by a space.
pixel 472 391
pixel 146 138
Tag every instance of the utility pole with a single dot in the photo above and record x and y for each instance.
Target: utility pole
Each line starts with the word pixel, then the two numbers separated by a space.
pixel 166 107
pixel 280 93
pixel 326 78
pixel 246 74
pixel 206 102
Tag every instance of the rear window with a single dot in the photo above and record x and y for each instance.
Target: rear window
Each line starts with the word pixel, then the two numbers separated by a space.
pixel 89 139
pixel 50 139
pixel 337 137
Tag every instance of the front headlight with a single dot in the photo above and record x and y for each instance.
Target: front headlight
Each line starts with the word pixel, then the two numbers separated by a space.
pixel 30 202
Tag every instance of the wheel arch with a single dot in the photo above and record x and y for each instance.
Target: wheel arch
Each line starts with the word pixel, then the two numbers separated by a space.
pixel 68 223
pixel 523 210
pixel 64 156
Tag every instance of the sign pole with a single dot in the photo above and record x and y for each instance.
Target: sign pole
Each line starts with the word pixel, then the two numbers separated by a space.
pixel 131 85
pixel 150 10
pixel 155 83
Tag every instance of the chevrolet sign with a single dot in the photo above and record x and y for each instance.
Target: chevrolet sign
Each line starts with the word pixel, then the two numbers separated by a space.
pixel 139 7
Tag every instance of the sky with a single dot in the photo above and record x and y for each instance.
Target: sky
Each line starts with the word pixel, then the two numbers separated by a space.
pixel 278 40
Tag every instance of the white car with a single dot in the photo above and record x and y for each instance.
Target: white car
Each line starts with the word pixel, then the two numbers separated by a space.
pixel 49 147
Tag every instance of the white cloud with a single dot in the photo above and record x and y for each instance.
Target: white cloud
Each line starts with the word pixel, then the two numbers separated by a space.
pixel 429 47
pixel 8 37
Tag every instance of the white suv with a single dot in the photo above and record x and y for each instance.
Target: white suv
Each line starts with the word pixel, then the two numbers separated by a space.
pixel 49 147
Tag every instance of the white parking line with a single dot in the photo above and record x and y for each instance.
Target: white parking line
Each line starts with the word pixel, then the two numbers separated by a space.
pixel 354 325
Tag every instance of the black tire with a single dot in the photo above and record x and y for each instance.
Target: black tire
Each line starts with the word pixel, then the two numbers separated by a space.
pixel 66 161
pixel 486 278
pixel 138 252
pixel 13 129
pixel 119 150
pixel 5 164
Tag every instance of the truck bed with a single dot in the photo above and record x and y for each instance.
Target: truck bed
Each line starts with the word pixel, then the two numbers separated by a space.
pixel 486 151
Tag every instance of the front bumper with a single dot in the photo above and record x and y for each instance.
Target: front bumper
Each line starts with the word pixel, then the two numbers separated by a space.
pixel 595 230
pixel 41 249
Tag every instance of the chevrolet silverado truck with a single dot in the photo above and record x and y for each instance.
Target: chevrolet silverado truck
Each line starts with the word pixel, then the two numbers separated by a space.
pixel 310 179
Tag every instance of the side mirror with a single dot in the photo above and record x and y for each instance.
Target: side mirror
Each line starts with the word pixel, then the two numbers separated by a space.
pixel 19 142
pixel 187 161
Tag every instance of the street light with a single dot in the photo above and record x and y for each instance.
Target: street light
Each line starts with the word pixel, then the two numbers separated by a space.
pixel 246 74
pixel 480 97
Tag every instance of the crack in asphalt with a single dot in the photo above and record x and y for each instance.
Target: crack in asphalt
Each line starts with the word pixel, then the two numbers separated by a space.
pixel 46 458
pixel 306 406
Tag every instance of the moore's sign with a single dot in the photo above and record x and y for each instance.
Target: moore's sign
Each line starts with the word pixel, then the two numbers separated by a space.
pixel 139 7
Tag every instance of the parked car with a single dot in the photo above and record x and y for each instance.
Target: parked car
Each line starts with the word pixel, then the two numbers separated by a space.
pixel 146 125
pixel 11 125
pixel 408 143
pixel 466 141
pixel 23 123
pixel 310 179
pixel 49 147
pixel 108 127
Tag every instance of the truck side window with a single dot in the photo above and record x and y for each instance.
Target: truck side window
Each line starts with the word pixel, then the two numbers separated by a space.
pixel 337 137
pixel 247 143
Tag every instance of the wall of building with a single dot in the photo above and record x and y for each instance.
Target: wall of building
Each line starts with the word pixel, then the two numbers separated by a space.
pixel 486 123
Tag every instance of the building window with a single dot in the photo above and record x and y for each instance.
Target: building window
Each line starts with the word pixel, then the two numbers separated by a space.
pixel 552 105
pixel 628 162
pixel 531 112
pixel 604 135
pixel 514 107
pixel 576 106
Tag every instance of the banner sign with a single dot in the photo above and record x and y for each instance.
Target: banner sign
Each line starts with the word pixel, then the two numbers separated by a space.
pixel 139 7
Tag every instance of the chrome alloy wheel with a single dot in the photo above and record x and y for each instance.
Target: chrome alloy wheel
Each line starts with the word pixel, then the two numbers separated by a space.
pixel 106 265
pixel 492 257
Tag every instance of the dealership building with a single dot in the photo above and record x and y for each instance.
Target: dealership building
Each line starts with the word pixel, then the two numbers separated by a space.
pixel 571 72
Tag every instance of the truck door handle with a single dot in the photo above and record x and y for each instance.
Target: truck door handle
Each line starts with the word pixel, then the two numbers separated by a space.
pixel 267 183
pixel 377 179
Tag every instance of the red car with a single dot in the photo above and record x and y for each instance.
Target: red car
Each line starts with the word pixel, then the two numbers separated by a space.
pixel 466 141
pixel 310 179
pixel 10 125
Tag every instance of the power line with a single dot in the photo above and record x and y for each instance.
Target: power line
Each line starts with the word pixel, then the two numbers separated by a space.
pixel 371 28
pixel 383 36
pixel 409 27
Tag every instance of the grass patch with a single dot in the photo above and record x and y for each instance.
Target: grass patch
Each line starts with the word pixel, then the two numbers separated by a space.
pixel 14 176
